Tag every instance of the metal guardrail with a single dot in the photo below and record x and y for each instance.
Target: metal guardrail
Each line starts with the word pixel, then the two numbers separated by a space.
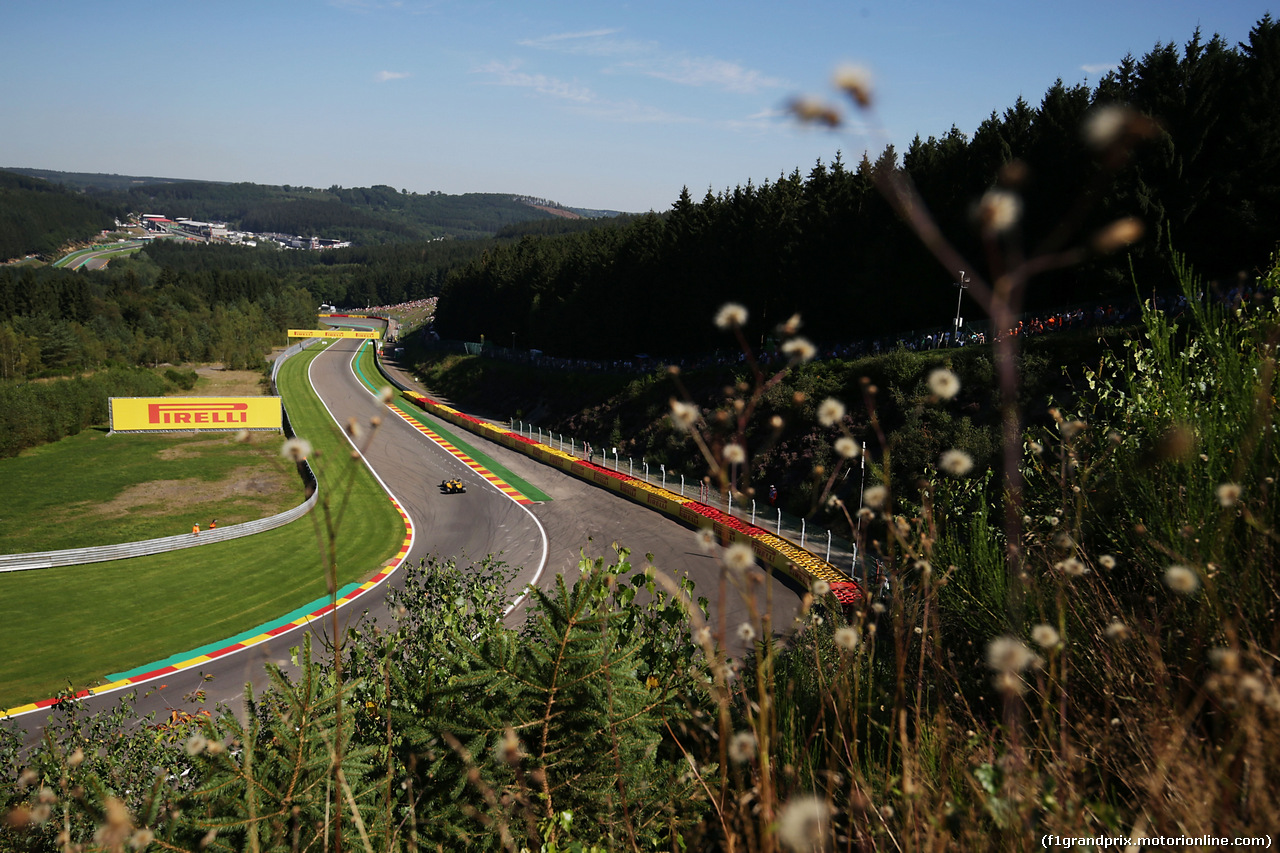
pixel 147 547
pixel 820 541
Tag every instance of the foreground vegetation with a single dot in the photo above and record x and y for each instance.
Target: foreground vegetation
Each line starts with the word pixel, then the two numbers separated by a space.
pixel 1106 672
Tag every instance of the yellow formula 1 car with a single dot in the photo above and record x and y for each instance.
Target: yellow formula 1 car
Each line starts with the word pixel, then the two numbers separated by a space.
pixel 452 487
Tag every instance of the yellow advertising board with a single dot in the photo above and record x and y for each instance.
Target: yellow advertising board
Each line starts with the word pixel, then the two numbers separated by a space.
pixel 171 414
pixel 335 333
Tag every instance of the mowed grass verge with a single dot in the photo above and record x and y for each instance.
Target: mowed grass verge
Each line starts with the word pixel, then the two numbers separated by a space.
pixel 99 489
pixel 74 625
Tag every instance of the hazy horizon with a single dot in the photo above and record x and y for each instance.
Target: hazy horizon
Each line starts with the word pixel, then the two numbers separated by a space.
pixel 604 107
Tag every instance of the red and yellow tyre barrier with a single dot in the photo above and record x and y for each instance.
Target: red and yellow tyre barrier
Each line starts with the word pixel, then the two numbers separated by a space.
pixel 802 566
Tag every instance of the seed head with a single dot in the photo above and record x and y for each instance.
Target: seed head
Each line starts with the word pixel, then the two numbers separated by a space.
pixel 742 747
pixel 296 449
pixel 706 539
pixel 1118 234
pixel 814 111
pixel 819 588
pixel 847 638
pixel 1112 130
pixel 1105 126
pixel 510 749
pixel 1071 429
pixel 944 384
pixel 385 394
pixel 855 81
pixel 875 497
pixel 118 826
pixel 1181 579
pixel 1072 567
pixel 739 557
pixel 957 463
pixel 746 633
pixel 683 415
pixel 1225 660
pixel 998 211
pixel 1229 494
pixel 734 453
pixel 804 824
pixel 1009 655
pixel 196 744
pixel 1045 636
pixel 731 315
pixel 799 349
pixel 847 447
pixel 1107 562
pixel 830 412
pixel 1117 630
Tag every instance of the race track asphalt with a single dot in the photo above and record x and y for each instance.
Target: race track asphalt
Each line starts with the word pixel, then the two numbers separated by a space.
pixel 542 540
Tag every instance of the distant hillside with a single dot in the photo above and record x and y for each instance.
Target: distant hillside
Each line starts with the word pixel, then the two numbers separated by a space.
pixel 37 217
pixel 363 215
pixel 93 181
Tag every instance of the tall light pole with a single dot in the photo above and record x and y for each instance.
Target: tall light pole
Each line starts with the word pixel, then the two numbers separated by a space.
pixel 962 285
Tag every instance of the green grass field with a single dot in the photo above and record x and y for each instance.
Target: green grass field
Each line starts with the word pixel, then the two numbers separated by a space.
pixel 99 489
pixel 74 625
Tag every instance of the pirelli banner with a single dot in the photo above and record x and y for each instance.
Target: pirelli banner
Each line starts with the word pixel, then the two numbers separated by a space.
pixel 335 333
pixel 184 414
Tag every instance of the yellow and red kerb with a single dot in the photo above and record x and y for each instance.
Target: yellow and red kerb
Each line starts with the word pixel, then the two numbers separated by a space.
pixel 497 481
pixel 386 571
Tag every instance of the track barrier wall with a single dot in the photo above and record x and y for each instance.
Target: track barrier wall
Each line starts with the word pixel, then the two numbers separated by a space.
pixel 147 547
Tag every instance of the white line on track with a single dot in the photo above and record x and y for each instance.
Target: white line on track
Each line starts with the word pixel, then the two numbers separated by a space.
pixel 309 622
pixel 542 563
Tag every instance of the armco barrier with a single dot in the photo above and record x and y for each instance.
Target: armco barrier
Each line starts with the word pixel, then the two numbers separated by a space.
pixel 781 555
pixel 147 547
pixel 103 553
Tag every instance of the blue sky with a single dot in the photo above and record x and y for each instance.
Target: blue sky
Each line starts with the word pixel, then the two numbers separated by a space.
pixel 612 105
